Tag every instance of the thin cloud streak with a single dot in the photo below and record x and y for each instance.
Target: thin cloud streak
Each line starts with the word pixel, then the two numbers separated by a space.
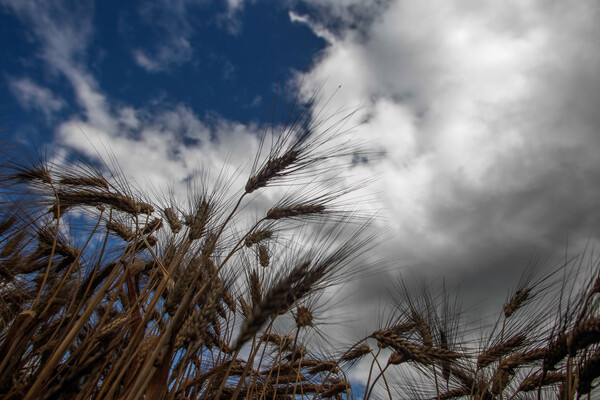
pixel 174 21
pixel 32 96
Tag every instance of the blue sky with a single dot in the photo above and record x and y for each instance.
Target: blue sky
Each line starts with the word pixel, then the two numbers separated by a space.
pixel 487 112
pixel 215 60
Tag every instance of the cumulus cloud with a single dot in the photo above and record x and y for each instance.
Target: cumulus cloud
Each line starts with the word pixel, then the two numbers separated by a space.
pixel 32 96
pixel 485 113
pixel 161 149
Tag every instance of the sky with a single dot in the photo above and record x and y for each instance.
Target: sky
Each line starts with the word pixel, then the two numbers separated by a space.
pixel 485 114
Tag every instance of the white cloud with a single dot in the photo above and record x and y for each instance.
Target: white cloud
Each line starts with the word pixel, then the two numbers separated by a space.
pixel 31 96
pixel 485 112
pixel 173 20
pixel 256 101
pixel 64 30
pixel 167 146
pixel 64 33
pixel 317 29
pixel 235 5
pixel 341 14
pixel 146 62
pixel 155 147
pixel 170 52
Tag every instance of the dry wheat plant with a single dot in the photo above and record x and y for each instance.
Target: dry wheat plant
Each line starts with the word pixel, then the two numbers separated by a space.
pixel 544 343
pixel 105 294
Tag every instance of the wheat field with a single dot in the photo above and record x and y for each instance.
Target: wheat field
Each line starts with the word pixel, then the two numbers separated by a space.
pixel 109 294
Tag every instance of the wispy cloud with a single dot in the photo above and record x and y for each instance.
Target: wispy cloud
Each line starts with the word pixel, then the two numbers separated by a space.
pixel 231 18
pixel 317 29
pixel 256 101
pixel 173 20
pixel 32 96
pixel 157 146
pixel 171 52
pixel 63 30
